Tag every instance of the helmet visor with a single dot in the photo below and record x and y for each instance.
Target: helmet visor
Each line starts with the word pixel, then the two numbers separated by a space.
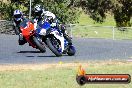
pixel 38 13
pixel 17 16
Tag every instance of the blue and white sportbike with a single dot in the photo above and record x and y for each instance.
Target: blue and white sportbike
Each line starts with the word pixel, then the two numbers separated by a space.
pixel 54 40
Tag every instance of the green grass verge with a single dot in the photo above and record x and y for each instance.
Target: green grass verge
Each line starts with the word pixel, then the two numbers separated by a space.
pixel 99 32
pixel 63 77
pixel 84 19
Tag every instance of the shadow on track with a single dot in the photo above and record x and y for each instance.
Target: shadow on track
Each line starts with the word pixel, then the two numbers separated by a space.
pixel 47 56
pixel 40 56
pixel 53 56
pixel 29 52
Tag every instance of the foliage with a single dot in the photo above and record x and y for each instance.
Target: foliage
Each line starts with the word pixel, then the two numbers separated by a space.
pixel 3 10
pixel 6 9
pixel 64 13
pixel 62 8
pixel 122 12
pixel 68 10
pixel 97 9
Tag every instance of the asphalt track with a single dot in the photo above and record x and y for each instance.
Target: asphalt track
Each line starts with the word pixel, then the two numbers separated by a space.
pixel 87 49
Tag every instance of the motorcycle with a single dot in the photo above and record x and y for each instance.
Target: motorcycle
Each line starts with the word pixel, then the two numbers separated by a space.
pixel 54 40
pixel 30 36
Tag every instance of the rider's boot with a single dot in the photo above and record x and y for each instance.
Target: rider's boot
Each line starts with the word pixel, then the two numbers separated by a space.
pixel 21 40
pixel 66 36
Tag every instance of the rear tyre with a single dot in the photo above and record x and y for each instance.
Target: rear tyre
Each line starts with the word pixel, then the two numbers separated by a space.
pixel 39 44
pixel 52 48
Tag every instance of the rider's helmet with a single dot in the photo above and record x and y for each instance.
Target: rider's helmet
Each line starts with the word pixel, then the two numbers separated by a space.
pixel 17 15
pixel 38 11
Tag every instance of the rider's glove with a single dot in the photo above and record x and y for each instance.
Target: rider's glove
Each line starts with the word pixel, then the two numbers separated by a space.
pixel 63 28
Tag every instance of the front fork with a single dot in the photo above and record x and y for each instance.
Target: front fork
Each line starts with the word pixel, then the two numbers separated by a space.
pixel 61 38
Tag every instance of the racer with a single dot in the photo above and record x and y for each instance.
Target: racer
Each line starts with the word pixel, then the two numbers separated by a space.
pixel 40 14
pixel 17 20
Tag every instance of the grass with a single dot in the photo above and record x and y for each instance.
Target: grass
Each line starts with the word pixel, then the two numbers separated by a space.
pixel 61 75
pixel 89 28
pixel 101 32
pixel 86 20
pixel 97 30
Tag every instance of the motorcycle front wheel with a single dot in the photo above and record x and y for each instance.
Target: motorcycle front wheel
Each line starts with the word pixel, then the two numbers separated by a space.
pixel 71 51
pixel 39 44
pixel 51 46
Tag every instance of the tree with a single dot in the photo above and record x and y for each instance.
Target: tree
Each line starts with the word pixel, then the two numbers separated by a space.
pixel 7 9
pixel 62 8
pixel 122 12
pixel 64 11
pixel 97 9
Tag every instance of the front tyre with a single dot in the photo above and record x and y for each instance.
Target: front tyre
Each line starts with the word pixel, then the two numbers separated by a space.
pixel 52 48
pixel 39 44
pixel 71 51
